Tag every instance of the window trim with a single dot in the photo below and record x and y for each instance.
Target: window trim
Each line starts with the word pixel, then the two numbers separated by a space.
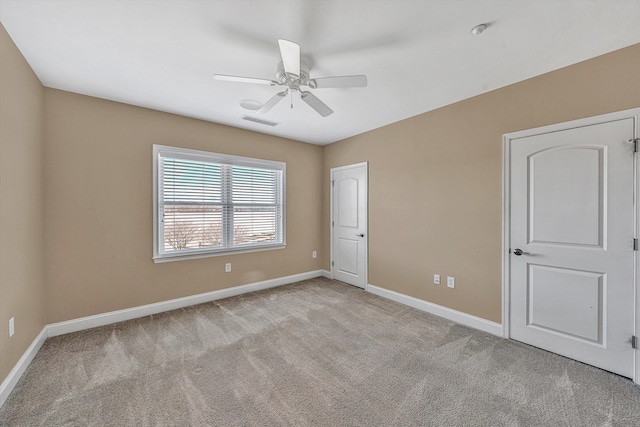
pixel 189 154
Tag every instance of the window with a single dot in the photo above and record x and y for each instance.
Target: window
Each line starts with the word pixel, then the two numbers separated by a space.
pixel 209 204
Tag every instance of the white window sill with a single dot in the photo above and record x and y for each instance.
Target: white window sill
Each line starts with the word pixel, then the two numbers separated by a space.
pixel 178 257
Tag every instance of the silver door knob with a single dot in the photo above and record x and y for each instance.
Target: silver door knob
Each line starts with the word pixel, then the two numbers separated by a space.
pixel 360 235
pixel 519 252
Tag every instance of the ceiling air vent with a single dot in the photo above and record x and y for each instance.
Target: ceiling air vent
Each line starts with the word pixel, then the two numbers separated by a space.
pixel 261 121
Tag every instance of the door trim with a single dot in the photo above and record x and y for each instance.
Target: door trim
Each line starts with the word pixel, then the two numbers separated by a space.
pixel 366 215
pixel 506 212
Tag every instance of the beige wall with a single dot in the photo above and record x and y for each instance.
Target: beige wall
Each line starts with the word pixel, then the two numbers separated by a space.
pixel 435 179
pixel 98 204
pixel 21 220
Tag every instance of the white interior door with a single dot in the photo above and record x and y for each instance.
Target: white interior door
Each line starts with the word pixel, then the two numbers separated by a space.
pixel 349 224
pixel 571 242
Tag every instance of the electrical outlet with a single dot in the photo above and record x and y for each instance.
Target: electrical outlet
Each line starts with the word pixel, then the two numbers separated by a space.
pixel 436 279
pixel 227 267
pixel 11 327
pixel 451 282
pixel 314 254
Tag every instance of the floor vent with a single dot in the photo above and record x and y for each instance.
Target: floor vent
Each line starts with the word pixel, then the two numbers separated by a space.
pixel 261 121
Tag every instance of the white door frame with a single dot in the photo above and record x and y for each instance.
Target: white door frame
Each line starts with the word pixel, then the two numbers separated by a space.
pixel 366 214
pixel 506 213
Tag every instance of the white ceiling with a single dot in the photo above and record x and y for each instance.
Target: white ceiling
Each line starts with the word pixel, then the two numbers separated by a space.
pixel 418 55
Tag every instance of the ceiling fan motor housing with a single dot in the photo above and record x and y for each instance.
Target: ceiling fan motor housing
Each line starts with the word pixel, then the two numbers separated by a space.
pixel 293 82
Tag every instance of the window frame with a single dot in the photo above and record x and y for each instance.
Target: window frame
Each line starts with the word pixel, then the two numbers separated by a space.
pixel 160 151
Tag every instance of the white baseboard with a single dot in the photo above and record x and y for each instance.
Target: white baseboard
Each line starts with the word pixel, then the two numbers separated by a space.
pixel 326 274
pixel 88 322
pixel 448 313
pixel 14 376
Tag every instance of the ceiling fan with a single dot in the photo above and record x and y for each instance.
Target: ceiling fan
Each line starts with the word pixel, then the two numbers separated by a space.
pixel 293 76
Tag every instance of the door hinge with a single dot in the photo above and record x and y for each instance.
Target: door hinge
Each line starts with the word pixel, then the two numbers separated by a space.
pixel 635 144
pixel 333 224
pixel 333 183
pixel 635 244
pixel 332 264
pixel 634 342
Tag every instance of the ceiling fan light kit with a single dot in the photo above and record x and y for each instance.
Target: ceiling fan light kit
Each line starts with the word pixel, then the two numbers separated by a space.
pixel 293 75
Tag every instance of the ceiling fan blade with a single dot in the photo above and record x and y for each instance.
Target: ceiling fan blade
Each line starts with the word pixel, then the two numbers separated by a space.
pixel 342 81
pixel 272 102
pixel 316 104
pixel 290 53
pixel 239 79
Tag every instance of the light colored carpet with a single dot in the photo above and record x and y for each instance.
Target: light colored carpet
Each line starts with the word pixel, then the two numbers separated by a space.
pixel 314 353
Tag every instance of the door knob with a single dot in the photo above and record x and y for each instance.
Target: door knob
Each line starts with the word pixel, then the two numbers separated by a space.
pixel 360 235
pixel 519 252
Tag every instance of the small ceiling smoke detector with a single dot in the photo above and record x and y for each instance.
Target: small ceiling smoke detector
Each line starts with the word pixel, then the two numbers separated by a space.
pixel 478 29
pixel 251 104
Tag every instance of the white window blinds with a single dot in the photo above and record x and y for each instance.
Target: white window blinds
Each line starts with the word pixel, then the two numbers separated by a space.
pixel 209 203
